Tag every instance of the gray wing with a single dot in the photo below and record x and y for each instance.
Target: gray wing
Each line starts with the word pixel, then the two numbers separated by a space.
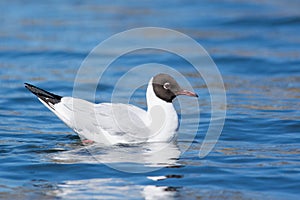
pixel 123 121
pixel 105 123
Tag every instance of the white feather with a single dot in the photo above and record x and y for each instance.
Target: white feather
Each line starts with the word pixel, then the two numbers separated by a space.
pixel 109 123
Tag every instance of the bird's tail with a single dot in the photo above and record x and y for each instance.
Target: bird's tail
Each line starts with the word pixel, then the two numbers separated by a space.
pixel 46 97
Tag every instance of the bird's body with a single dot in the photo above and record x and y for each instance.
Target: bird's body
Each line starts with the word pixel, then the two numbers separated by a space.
pixel 113 123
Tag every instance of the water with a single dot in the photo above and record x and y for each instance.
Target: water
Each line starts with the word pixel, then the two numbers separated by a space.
pixel 256 47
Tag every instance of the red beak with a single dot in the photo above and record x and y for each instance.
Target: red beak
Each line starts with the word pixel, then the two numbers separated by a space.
pixel 186 92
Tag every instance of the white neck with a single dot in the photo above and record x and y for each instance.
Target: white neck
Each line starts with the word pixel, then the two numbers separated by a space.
pixel 162 117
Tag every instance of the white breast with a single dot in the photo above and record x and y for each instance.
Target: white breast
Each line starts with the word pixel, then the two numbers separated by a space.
pixel 162 117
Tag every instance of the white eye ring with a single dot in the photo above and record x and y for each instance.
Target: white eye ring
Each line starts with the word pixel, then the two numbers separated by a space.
pixel 167 85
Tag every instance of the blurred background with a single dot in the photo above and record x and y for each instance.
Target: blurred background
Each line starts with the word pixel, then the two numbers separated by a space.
pixel 256 46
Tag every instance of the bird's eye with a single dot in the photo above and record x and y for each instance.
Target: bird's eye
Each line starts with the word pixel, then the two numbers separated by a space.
pixel 167 86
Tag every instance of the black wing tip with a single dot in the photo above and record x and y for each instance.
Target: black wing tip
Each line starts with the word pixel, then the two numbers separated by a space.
pixel 28 86
pixel 44 95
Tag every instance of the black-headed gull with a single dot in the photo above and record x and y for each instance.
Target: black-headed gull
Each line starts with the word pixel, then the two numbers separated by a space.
pixel 113 123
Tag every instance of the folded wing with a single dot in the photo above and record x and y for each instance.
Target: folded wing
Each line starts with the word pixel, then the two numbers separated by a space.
pixel 104 123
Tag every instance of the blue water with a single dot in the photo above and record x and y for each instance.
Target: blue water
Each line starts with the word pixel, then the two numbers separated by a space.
pixel 256 46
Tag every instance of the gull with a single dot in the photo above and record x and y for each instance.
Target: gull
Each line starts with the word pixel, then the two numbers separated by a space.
pixel 118 123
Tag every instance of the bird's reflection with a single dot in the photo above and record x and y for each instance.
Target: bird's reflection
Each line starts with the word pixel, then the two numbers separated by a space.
pixel 111 188
pixel 129 158
pixel 159 192
pixel 136 158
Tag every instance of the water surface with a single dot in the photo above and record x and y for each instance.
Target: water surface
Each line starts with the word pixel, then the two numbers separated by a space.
pixel 256 46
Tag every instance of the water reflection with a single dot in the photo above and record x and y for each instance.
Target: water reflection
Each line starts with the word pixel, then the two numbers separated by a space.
pixel 110 188
pixel 162 192
pixel 136 158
